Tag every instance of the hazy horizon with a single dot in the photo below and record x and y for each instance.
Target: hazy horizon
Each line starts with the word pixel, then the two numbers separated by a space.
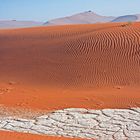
pixel 44 10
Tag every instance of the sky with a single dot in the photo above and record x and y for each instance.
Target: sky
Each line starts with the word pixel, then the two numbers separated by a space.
pixel 44 10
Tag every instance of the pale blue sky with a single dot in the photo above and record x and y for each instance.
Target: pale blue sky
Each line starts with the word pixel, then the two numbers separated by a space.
pixel 43 10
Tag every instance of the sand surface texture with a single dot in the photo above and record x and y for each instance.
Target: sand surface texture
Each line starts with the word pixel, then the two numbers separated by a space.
pixel 77 66
pixel 93 66
pixel 8 135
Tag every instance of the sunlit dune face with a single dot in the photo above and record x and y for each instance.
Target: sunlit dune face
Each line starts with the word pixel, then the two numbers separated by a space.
pixel 72 56
pixel 65 66
pixel 21 136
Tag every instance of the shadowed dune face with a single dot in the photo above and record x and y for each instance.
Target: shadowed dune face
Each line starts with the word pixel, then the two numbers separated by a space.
pixel 80 57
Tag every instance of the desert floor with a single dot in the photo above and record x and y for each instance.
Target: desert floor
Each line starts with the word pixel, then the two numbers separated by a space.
pixel 45 69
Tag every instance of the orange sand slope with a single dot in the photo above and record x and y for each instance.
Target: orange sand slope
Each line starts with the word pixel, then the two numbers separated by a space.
pixel 94 66
pixel 21 136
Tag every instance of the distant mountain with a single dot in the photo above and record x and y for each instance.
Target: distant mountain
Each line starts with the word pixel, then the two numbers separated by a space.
pixel 18 24
pixel 88 17
pixel 127 18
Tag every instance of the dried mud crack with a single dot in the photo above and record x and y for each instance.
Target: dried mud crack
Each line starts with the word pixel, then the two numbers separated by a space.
pixel 106 124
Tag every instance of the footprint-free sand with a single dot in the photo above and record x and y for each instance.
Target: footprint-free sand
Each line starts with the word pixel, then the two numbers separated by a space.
pixel 73 66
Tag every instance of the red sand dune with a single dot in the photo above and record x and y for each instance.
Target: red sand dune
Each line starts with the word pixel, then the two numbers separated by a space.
pixel 20 136
pixel 94 66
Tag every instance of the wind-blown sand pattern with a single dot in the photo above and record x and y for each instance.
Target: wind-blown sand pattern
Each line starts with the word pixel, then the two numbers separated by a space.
pixel 107 124
pixel 78 66
pixel 73 56
pixel 60 67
